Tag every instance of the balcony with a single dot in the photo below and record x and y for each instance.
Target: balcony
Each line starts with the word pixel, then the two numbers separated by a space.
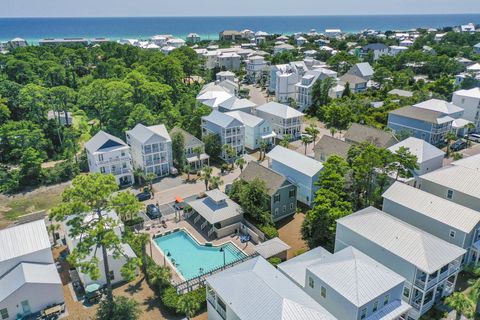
pixel 113 160
pixel 121 171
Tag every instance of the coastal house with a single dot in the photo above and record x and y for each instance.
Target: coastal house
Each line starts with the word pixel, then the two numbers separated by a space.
pixel 229 61
pixel 230 35
pixel 212 94
pixel 256 67
pixel 400 93
pixel 476 48
pixel 29 280
pixel 257 130
pixel 283 119
pixel 63 118
pixel 429 157
pixel 429 264
pixel 377 49
pixel 333 33
pixel 108 154
pixel 358 133
pixel 230 130
pixel 395 50
pixel 349 284
pixel 193 38
pixel 225 75
pixel 282 192
pixel 444 219
pixel 301 41
pixel 301 170
pixel 237 104
pixel 357 84
pixel 216 214
pixel 469 101
pixel 115 262
pixel 255 290
pixel 195 155
pixel 363 70
pixel 283 79
pixel 328 146
pixel 151 149
pixel 17 43
pixel 457 183
pixel 306 83
pixel 63 42
pixel 284 47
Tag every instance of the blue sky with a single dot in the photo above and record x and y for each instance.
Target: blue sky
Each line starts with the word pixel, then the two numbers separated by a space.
pixel 112 8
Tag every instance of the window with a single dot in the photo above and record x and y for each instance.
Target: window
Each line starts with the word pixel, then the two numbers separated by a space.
pixel 284 209
pixel 323 292
pixel 406 292
pixel 111 274
pixel 375 306
pixel 100 157
pixel 363 313
pixel 123 153
pixel 4 313
pixel 291 193
pixel 276 198
pixel 102 169
pixel 452 233
pixel 449 194
pixel 291 206
pixel 386 299
pixel 311 283
pixel 276 211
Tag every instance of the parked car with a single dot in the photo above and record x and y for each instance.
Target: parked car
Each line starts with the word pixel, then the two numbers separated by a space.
pixel 153 212
pixel 458 145
pixel 143 196
pixel 475 137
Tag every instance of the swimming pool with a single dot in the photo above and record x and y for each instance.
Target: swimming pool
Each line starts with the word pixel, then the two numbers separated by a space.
pixel 192 259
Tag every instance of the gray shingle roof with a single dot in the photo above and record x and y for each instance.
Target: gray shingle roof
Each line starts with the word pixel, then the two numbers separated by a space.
pixel 272 179
pixel 358 133
pixel 256 290
pixel 419 248
pixel 352 79
pixel 332 146
pixel 190 139
pixel 419 114
pixel 103 140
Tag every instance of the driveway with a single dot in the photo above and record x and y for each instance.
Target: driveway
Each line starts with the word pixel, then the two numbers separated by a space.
pixel 257 96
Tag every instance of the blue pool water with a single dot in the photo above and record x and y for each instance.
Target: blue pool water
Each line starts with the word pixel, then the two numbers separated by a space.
pixel 189 256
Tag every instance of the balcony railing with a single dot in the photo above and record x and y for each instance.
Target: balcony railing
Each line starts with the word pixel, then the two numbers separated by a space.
pixel 120 171
pixel 116 159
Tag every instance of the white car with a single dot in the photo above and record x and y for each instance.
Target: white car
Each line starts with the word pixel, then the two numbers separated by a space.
pixel 474 137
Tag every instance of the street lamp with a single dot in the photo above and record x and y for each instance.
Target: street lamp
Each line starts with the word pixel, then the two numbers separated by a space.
pixel 164 257
pixel 223 251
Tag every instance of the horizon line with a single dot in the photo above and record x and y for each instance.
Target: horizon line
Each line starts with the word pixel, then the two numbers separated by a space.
pixel 244 16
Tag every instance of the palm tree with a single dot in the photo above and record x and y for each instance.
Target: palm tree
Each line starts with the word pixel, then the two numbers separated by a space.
pixel 461 304
pixel 333 131
pixel 52 228
pixel 313 131
pixel 205 175
pixel 231 153
pixel 306 140
pixel 140 176
pixel 285 140
pixel 187 168
pixel 263 148
pixel 449 138
pixel 188 304
pixel 143 239
pixel 160 276
pixel 470 126
pixel 149 179
pixel 215 182
pixel 241 162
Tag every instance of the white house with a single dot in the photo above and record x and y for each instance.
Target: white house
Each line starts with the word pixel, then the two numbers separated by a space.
pixel 115 263
pixel 445 219
pixel 429 264
pixel 348 283
pixel 151 149
pixel 237 104
pixel 305 85
pixel 255 66
pixel 301 41
pixel 212 94
pixel 301 170
pixel 283 79
pixel 17 42
pixel 333 33
pixel 429 157
pixel 256 290
pixel 476 48
pixel 229 61
pixel 257 130
pixel 225 75
pixel 110 155
pixel 394 50
pixel 363 70
pixel 469 101
pixel 29 281
pixel 176 42
pixel 284 47
pixel 193 38
pixel 230 130
pixel 284 119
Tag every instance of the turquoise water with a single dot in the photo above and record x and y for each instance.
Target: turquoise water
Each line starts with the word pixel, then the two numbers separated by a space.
pixel 34 29
pixel 190 257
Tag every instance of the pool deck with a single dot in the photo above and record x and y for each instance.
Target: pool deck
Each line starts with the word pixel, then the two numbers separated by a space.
pixel 157 254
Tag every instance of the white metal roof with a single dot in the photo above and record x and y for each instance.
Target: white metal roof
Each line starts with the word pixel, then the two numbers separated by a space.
pixel 222 119
pixel 213 211
pixel 271 247
pixel 280 110
pixel 423 150
pixel 296 267
pixel 295 160
pixel 413 245
pixel 143 133
pixel 434 207
pixel 235 103
pixel 246 118
pixel 457 177
pixel 23 239
pixel 472 93
pixel 439 105
pixel 355 276
pixel 24 273
pixel 365 69
pixel 471 162
pixel 256 290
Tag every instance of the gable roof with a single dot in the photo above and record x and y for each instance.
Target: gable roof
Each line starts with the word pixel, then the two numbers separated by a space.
pixel 439 105
pixel 222 119
pixel 365 69
pixel 456 177
pixel 272 179
pixel 419 248
pixel 246 118
pixel 434 207
pixel 355 276
pixel 421 114
pixel 332 146
pixel 23 239
pixel 235 103
pixel 256 290
pixel 190 139
pixel 280 110
pixel 352 79
pixel 423 150
pixel 103 140
pixel 472 93
pixel 143 133
pixel 295 160
pixel 358 133
pixel 401 93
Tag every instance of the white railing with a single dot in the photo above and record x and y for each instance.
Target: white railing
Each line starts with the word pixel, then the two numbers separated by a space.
pixel 121 171
pixel 196 219
pixel 209 233
pixel 204 224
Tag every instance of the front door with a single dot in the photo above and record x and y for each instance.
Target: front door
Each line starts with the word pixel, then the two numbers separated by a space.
pixel 26 307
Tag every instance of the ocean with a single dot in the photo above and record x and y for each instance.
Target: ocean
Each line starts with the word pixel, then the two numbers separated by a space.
pixel 33 29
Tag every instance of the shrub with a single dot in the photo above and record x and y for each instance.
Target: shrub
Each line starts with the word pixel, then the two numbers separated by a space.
pixel 269 230
pixel 275 261
pixel 171 298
